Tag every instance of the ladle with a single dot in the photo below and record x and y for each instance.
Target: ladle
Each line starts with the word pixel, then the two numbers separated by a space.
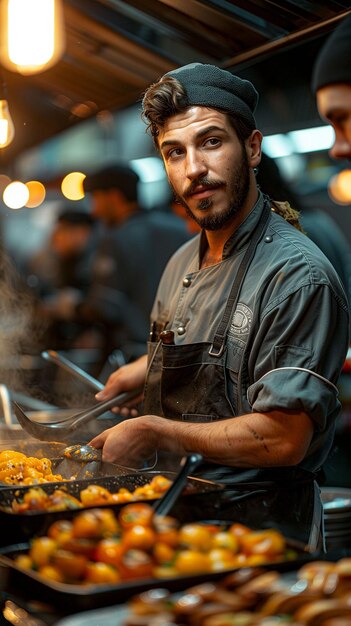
pixel 60 430
pixel 72 368
pixel 82 453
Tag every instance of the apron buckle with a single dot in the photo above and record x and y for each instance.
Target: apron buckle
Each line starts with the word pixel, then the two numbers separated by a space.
pixel 216 351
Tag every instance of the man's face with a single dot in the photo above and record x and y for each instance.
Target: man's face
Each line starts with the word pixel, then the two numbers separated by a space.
pixel 334 105
pixel 206 165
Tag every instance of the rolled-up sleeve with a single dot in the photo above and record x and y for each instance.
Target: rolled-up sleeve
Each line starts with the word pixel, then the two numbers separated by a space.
pixel 298 353
pixel 295 390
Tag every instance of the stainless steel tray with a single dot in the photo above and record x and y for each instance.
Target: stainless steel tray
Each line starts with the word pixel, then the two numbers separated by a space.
pixel 111 616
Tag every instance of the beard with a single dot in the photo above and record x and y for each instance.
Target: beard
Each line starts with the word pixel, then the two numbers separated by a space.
pixel 237 187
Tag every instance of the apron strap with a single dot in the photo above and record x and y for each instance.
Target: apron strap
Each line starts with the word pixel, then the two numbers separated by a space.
pixel 219 340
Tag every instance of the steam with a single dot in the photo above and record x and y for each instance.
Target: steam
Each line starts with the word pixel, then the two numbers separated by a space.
pixel 22 339
pixel 16 322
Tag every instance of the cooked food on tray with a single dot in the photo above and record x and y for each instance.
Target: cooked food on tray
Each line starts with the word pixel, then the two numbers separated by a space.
pixel 36 499
pixel 18 469
pixel 97 546
pixel 319 596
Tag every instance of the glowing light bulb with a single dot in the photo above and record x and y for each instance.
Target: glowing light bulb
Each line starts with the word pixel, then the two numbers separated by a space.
pixel 32 37
pixel 7 129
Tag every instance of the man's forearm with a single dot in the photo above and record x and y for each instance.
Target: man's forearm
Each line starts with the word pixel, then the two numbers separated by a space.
pixel 278 438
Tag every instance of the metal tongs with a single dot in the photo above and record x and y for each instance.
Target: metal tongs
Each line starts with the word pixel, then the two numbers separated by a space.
pixel 55 357
pixel 61 430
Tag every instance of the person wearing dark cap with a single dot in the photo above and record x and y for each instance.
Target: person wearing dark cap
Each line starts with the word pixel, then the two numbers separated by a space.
pixel 331 83
pixel 133 251
pixel 59 274
pixel 250 322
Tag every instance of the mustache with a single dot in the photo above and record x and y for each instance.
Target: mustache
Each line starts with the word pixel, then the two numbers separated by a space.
pixel 205 183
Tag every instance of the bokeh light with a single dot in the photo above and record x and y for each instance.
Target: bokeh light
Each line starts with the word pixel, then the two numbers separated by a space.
pixel 72 186
pixel 339 187
pixel 37 193
pixel 16 195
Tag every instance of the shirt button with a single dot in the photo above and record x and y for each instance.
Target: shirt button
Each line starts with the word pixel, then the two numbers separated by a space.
pixel 186 282
pixel 181 330
pixel 268 239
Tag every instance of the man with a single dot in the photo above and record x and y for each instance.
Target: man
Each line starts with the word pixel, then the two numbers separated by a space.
pixel 250 322
pixel 60 273
pixel 133 251
pixel 331 82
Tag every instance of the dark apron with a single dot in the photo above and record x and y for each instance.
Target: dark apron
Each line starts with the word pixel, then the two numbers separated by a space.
pixel 191 383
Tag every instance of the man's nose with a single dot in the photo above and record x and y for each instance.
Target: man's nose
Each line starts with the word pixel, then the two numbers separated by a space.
pixel 195 165
pixel 341 149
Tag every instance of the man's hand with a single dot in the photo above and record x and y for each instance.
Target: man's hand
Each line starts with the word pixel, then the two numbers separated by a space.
pixel 129 443
pixel 126 378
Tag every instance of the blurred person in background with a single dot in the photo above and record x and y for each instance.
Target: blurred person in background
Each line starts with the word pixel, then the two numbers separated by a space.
pixel 317 224
pixel 331 83
pixel 59 275
pixel 132 253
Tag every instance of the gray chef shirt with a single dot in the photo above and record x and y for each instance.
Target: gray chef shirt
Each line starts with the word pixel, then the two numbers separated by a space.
pixel 289 329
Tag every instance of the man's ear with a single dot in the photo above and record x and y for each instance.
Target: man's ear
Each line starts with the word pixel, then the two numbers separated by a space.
pixel 253 148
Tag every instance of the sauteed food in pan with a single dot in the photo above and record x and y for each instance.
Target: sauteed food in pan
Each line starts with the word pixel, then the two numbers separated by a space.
pixel 98 547
pixel 18 469
pixel 36 499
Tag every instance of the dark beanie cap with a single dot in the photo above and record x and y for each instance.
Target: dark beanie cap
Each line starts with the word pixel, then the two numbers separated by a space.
pixel 68 216
pixel 117 176
pixel 333 64
pixel 210 86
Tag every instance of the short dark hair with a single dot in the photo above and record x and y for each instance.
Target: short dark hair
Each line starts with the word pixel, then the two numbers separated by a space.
pixel 116 176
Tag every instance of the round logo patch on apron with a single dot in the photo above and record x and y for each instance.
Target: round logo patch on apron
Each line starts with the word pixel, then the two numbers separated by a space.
pixel 241 322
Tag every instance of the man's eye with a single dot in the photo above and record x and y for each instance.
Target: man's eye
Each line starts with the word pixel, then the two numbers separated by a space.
pixel 174 153
pixel 212 141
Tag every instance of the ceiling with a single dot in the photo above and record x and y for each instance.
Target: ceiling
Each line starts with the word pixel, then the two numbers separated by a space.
pixel 115 49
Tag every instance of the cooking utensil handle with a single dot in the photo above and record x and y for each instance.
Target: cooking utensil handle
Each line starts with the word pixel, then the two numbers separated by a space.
pixel 6 407
pixel 164 504
pixel 72 368
pixel 101 407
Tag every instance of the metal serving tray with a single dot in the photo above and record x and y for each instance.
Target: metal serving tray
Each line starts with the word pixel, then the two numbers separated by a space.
pixel 197 496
